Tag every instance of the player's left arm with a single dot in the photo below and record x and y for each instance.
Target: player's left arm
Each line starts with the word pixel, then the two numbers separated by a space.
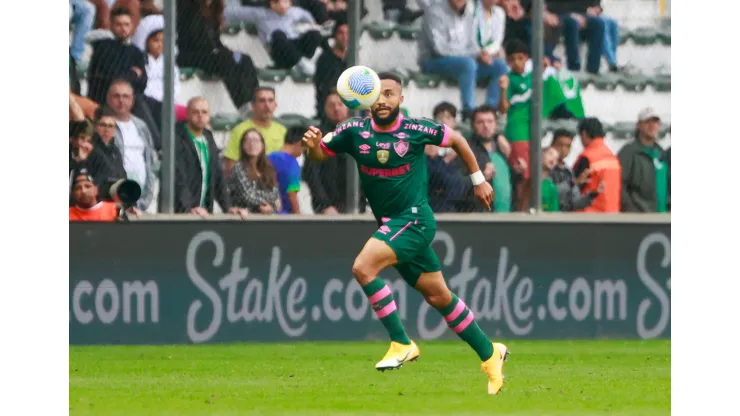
pixel 459 144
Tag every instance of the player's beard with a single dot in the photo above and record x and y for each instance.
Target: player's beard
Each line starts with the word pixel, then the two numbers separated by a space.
pixel 384 121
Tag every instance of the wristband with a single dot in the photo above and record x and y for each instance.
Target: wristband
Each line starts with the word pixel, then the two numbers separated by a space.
pixel 477 178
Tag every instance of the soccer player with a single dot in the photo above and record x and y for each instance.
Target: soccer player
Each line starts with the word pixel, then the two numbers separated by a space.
pixel 389 150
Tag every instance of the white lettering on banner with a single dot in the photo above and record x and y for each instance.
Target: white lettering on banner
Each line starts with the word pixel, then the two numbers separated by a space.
pixel 240 297
pixel 253 295
pixel 665 308
pixel 108 301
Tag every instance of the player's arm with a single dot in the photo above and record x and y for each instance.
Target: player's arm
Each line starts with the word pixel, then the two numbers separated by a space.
pixel 459 144
pixel 312 139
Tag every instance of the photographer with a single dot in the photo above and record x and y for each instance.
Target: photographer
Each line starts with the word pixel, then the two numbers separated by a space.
pixel 88 206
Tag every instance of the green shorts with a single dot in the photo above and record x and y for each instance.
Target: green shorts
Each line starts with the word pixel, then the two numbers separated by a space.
pixel 410 236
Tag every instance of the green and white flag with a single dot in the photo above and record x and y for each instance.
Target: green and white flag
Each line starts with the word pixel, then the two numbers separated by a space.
pixel 572 92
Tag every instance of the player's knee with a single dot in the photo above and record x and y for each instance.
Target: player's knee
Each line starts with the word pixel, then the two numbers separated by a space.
pixel 362 272
pixel 439 300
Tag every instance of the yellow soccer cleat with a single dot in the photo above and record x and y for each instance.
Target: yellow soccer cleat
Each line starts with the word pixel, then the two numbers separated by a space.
pixel 397 355
pixel 494 368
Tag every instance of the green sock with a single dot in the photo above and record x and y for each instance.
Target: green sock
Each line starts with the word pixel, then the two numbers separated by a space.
pixel 381 299
pixel 461 320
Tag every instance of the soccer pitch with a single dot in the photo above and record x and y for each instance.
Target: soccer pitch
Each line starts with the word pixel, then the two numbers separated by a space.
pixel 542 378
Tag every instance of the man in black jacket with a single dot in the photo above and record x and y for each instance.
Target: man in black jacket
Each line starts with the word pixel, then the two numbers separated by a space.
pixel 198 173
pixel 330 66
pixel 119 59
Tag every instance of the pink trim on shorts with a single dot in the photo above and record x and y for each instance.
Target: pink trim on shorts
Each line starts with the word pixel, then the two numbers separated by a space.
pixel 464 324
pixel 446 137
pixel 459 308
pixel 326 150
pixel 385 220
pixel 387 310
pixel 380 295
pixel 400 231
pixel 394 127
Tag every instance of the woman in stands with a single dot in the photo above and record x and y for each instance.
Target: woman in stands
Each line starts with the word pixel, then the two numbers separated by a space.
pixel 253 181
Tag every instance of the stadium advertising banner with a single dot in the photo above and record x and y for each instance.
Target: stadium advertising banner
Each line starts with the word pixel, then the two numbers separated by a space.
pixel 205 282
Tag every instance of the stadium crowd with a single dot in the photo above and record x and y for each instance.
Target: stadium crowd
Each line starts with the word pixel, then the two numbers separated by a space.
pixel 114 129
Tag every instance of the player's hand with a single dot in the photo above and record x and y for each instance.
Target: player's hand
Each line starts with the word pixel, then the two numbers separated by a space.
pixel 312 137
pixel 503 82
pixel 484 193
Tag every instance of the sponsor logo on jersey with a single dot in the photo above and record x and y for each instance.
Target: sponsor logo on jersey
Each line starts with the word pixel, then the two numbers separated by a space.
pixel 401 135
pixel 365 149
pixel 386 146
pixel 386 172
pixel 365 134
pixel 419 127
pixel 383 156
pixel 401 147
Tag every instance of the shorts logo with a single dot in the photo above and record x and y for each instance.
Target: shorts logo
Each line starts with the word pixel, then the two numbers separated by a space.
pixel 383 156
pixel 385 146
pixel 384 229
pixel 401 147
pixel 401 135
pixel 364 149
pixel 365 134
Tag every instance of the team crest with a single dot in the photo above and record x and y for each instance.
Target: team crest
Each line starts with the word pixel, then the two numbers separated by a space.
pixel 365 134
pixel 401 147
pixel 383 156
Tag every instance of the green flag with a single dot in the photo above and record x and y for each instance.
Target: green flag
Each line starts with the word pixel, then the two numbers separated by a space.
pixel 572 92
pixel 519 94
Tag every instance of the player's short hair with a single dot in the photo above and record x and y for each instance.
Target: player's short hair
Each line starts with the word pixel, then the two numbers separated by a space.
pixel 485 108
pixel 516 46
pixel 444 107
pixel 332 91
pixel 119 11
pixel 294 135
pixel 592 126
pixel 561 132
pixel 263 88
pixel 391 76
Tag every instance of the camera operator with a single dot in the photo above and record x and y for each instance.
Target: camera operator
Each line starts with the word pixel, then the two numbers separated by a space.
pixel 89 206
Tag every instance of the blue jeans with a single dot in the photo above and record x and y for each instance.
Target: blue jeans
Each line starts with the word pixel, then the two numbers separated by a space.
pixel 82 15
pixel 611 40
pixel 467 71
pixel 595 32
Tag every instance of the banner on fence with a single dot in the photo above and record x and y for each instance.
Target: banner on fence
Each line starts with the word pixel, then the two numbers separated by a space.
pixel 200 282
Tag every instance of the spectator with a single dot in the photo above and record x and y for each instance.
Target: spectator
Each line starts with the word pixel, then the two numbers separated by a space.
pixel 328 180
pixel 611 36
pixel 338 10
pixel 667 159
pixel 446 113
pixel 134 140
pixel 491 150
pixel 199 44
pixel 644 169
pixel 330 66
pixel 447 47
pixel 288 171
pixel 82 16
pixel 397 11
pixel 490 24
pixel 569 187
pixel 149 38
pixel 277 31
pixel 86 204
pixel 118 58
pixel 199 177
pixel 80 144
pixel 577 17
pixel 549 190
pixel 603 167
pixel 252 181
pixel 447 186
pixel 519 25
pixel 264 106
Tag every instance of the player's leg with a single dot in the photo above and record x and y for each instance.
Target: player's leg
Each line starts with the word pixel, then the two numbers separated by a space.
pixel 431 284
pixel 374 257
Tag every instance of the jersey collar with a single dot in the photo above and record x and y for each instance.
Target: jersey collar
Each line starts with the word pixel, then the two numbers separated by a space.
pixel 394 127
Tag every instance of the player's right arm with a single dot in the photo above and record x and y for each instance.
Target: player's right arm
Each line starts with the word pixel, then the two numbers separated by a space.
pixel 323 147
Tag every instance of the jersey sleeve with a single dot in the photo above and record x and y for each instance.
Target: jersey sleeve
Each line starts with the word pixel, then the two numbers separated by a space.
pixel 434 133
pixel 339 141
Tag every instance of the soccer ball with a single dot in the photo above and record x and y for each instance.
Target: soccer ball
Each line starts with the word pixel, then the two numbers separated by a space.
pixel 358 87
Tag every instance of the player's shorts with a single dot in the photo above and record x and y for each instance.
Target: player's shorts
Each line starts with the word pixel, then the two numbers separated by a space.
pixel 520 150
pixel 410 236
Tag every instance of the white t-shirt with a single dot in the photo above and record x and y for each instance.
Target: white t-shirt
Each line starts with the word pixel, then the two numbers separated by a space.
pixel 133 152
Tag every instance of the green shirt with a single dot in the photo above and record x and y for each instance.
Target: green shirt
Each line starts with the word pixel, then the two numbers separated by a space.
pixel 661 177
pixel 201 147
pixel 572 92
pixel 519 95
pixel 391 164
pixel 501 183
pixel 550 202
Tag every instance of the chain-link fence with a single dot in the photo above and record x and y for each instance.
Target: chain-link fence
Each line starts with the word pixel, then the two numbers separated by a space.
pixel 264 72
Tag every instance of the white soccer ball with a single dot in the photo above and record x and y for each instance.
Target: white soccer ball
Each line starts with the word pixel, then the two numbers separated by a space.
pixel 358 87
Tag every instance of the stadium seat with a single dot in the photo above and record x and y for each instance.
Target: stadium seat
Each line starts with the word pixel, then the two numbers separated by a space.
pixel 425 80
pixel 404 74
pixel 298 76
pixel 644 36
pixel 380 29
pixel 661 83
pixel 407 32
pixel 250 28
pixel 186 73
pixel 634 82
pixel 606 82
pixel 296 120
pixel 225 122
pixel 623 129
pixel 272 75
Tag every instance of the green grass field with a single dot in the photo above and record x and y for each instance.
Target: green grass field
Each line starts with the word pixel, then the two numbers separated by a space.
pixel 542 378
